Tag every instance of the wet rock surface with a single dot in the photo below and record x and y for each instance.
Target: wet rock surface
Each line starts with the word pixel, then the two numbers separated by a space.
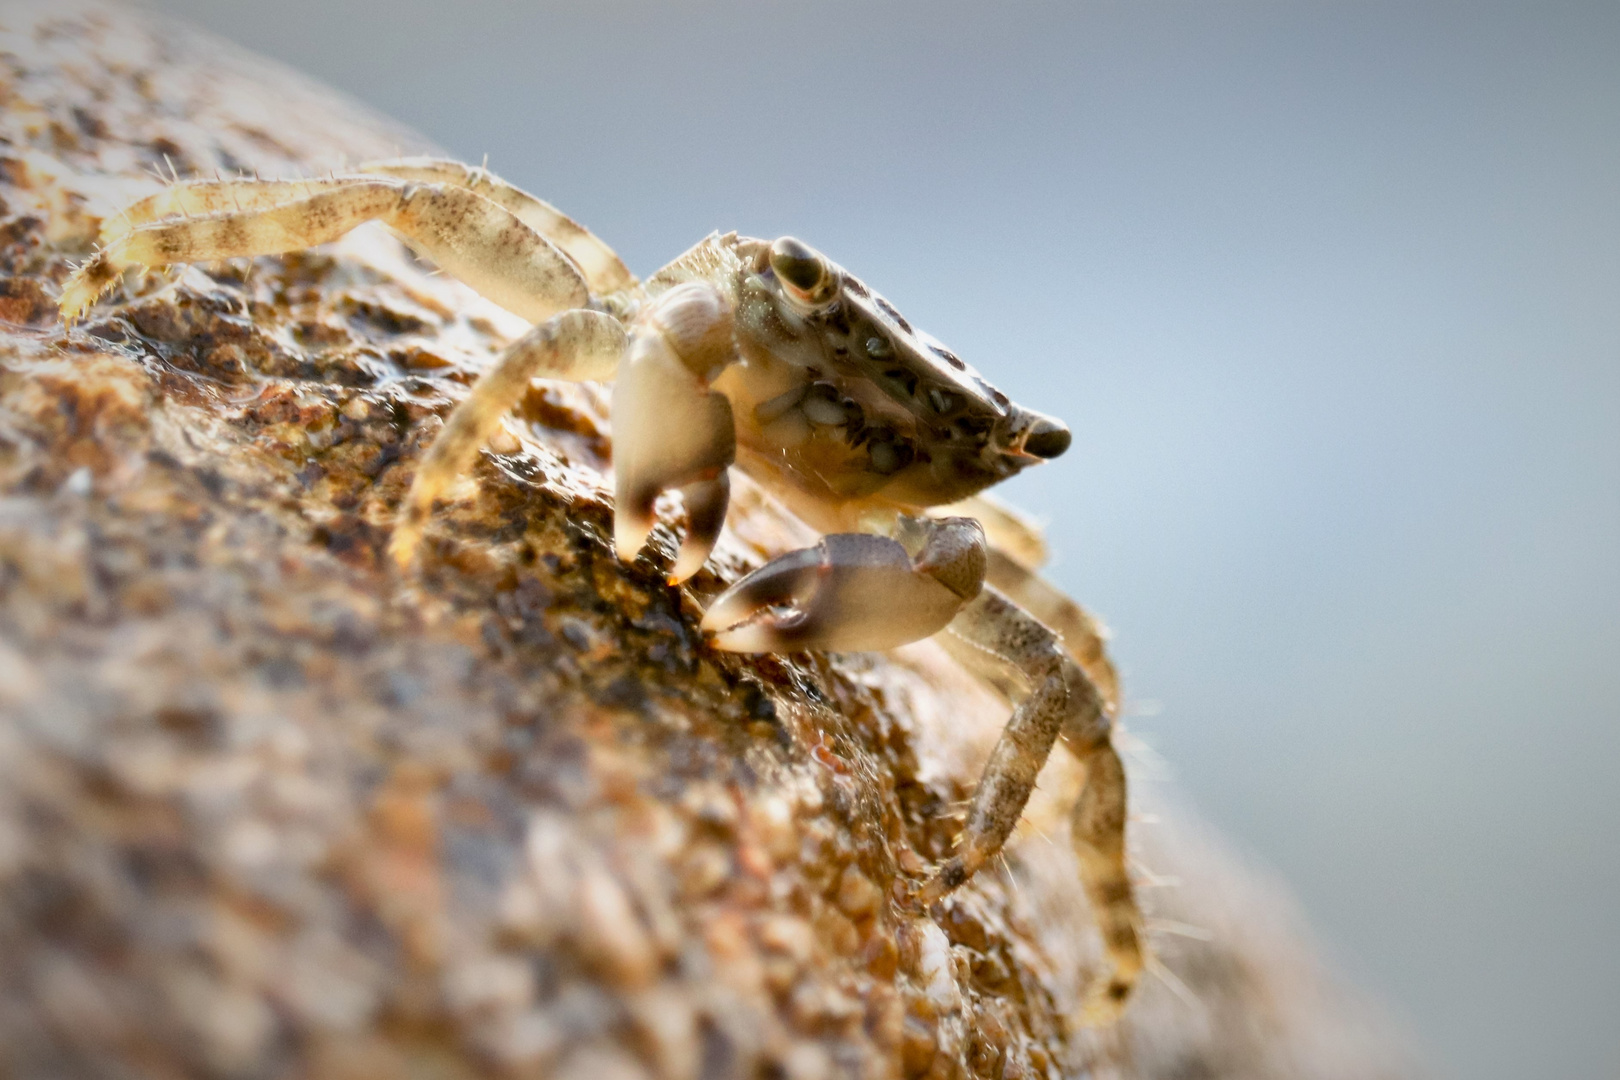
pixel 269 808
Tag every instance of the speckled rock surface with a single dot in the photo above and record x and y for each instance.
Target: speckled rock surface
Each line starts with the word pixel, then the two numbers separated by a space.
pixel 269 809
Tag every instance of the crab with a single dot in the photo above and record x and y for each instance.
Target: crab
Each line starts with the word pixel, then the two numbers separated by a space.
pixel 768 357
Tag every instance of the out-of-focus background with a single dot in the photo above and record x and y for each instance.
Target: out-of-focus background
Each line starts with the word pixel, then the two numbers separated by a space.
pixel 1330 294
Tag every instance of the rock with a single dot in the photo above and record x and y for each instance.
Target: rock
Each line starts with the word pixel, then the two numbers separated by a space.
pixel 269 808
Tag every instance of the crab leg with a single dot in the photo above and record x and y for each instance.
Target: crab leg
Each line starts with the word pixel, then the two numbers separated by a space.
pixel 669 429
pixel 1083 635
pixel 993 636
pixel 201 198
pixel 1008 528
pixel 604 271
pixel 854 591
pixel 470 237
pixel 1017 552
pixel 575 345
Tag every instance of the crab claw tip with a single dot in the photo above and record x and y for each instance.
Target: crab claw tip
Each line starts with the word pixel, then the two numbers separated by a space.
pixel 775 630
pixel 630 532
pixel 687 564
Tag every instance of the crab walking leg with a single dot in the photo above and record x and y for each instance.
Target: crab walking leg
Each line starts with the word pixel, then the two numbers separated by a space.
pixel 202 198
pixel 669 429
pixel 298 222
pixel 576 345
pixel 1097 830
pixel 1017 552
pixel 1008 528
pixel 604 271
pixel 470 237
pixel 995 633
pixel 854 591
pixel 1084 637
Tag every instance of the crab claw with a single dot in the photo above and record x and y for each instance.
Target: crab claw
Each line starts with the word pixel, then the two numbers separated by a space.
pixel 669 429
pixel 706 502
pixel 851 592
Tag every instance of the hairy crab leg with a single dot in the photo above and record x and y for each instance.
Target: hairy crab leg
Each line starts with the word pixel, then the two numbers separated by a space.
pixel 201 198
pixel 669 429
pixel 991 636
pixel 604 271
pixel 1097 831
pixel 1017 552
pixel 854 591
pixel 470 237
pixel 576 345
pixel 1083 635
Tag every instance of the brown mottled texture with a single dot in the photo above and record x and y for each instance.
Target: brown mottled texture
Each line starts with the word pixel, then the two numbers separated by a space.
pixel 269 808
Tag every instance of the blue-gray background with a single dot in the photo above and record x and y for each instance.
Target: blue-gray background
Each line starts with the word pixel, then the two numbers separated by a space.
pixel 1330 294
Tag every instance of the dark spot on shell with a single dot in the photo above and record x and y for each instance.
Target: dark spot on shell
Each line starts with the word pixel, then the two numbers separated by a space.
pixel 889 453
pixel 855 285
pixel 854 418
pixel 825 405
pixel 889 310
pixel 949 357
pixel 904 377
pixel 971 427
pixel 828 394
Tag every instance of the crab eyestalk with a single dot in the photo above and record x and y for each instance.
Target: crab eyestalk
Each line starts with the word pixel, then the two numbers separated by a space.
pixel 806 275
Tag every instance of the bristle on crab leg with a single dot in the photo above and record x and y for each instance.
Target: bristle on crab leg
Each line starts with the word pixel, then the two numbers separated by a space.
pixel 994 635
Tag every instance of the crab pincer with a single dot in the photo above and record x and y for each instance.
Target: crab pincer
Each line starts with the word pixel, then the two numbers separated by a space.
pixel 854 591
pixel 670 431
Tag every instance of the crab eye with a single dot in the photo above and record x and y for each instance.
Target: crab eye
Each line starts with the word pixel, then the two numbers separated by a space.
pixel 1048 439
pixel 802 268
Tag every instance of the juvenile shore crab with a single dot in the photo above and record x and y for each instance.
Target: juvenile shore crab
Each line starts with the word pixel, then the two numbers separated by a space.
pixel 767 356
